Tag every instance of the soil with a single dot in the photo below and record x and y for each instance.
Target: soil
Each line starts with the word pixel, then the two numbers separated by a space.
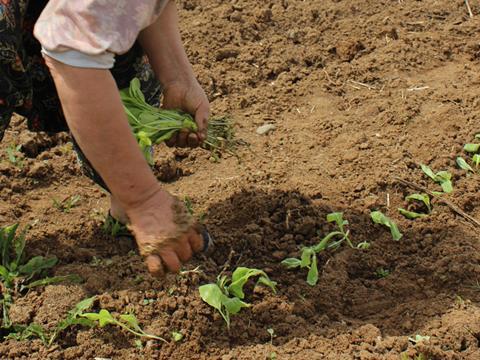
pixel 360 93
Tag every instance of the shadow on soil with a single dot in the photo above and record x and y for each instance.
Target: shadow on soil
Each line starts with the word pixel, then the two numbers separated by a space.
pixel 427 268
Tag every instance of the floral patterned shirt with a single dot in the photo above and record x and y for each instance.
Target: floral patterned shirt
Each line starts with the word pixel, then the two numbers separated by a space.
pixel 88 33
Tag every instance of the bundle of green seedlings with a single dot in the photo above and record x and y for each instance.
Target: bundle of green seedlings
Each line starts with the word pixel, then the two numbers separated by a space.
pixel 226 295
pixel 152 125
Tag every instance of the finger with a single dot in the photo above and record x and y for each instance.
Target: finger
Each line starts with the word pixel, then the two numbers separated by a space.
pixel 195 240
pixel 192 140
pixel 182 138
pixel 155 266
pixel 170 259
pixel 183 250
pixel 172 141
pixel 201 118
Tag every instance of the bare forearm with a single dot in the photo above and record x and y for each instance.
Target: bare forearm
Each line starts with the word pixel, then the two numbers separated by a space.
pixel 163 46
pixel 95 116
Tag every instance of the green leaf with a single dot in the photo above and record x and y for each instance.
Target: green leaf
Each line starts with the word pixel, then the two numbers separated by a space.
pixel 233 304
pixel 428 171
pixel 425 198
pixel 462 164
pixel 379 218
pixel 54 280
pixel 132 321
pixel 212 295
pixel 240 277
pixel 265 280
pixel 291 263
pixel 337 217
pixel 312 277
pixel 36 265
pixel 177 336
pixel 307 256
pixel 447 186
pixel 476 160
pixel 410 214
pixel 471 148
pixel 323 244
pixel 103 317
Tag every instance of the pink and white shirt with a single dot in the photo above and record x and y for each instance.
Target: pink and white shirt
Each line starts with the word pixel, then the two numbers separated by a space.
pixel 89 33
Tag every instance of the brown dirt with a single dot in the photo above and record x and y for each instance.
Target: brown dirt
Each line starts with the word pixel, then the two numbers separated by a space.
pixel 359 92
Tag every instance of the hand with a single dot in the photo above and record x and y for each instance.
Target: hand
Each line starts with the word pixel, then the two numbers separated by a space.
pixel 188 95
pixel 164 232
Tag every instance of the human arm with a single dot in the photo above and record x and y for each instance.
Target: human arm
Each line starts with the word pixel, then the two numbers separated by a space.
pixel 163 45
pixel 95 116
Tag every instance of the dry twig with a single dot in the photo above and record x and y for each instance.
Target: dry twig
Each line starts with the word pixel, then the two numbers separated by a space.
pixel 467 3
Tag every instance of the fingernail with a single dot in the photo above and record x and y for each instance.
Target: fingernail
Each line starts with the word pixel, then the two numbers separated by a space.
pixel 207 240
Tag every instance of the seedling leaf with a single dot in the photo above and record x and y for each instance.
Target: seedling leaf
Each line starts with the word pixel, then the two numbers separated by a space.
pixel 337 217
pixel 323 244
pixel 471 148
pixel 291 263
pixel 379 218
pixel 240 277
pixel 476 160
pixel 177 336
pixel 212 295
pixel 36 265
pixel 54 280
pixel 421 197
pixel 462 164
pixel 306 258
pixel 312 277
pixel 233 305
pixel 410 214
pixel 428 171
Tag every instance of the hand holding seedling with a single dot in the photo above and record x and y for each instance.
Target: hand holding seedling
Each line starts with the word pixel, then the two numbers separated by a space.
pixel 165 232
pixel 188 95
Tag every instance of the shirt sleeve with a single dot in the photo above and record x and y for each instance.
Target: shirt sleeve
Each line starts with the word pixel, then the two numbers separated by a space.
pixel 89 33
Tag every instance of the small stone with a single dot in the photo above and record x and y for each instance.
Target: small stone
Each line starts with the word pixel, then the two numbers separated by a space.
pixel 279 255
pixel 265 129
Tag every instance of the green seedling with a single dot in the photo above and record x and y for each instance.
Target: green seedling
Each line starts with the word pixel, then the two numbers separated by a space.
pixel 67 204
pixel 419 339
pixel 271 332
pixel 73 318
pixel 472 148
pixel 308 258
pixel 444 178
pixel 226 294
pixel 18 274
pixel 127 322
pixel 33 330
pixel 462 164
pixel 365 245
pixel 13 155
pixel 410 214
pixel 379 218
pixel 114 227
pixel 424 198
pixel 476 160
pixel 382 273
pixel 177 336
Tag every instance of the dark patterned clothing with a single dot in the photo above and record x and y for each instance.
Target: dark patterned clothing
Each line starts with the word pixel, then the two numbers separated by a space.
pixel 26 86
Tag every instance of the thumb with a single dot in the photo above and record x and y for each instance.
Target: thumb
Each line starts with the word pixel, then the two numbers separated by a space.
pixel 201 118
